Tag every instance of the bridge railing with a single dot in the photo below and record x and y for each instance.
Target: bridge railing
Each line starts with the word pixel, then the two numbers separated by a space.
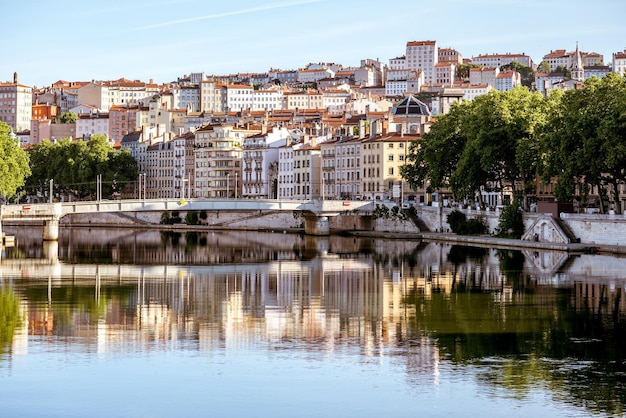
pixel 52 210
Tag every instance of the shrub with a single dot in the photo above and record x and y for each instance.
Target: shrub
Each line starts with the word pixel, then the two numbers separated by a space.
pixel 459 224
pixel 511 222
pixel 457 220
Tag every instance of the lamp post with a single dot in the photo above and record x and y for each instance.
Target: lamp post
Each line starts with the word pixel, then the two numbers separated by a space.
pixel 227 185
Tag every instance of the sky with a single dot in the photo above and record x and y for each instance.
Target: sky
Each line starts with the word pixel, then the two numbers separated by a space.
pixel 161 40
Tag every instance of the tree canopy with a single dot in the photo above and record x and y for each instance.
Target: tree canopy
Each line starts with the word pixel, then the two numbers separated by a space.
pixel 68 117
pixel 14 166
pixel 74 166
pixel 486 143
pixel 584 143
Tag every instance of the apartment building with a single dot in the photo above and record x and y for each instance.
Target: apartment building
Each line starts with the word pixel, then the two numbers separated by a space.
pixel 334 101
pixel 238 97
pixel 311 76
pixel 211 96
pixel 422 55
pixel 260 163
pixel 449 55
pixel 619 62
pixel 286 172
pixel 484 75
pixel 561 58
pixel 185 97
pixel 306 172
pixel 397 63
pixel 508 80
pixel 122 120
pixel 445 74
pixel 307 99
pixel 88 124
pixel 348 168
pixel 218 157
pixel 498 60
pixel 329 169
pixel 267 99
pixel 16 105
pixel 382 157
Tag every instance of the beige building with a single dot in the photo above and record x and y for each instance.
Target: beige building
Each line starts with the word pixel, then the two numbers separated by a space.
pixel 16 105
pixel 383 156
pixel 218 157
pixel 306 172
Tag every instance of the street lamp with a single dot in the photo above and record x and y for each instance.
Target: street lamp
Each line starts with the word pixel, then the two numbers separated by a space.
pixel 227 185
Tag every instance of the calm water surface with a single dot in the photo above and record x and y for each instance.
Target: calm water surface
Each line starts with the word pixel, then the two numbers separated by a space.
pixel 147 324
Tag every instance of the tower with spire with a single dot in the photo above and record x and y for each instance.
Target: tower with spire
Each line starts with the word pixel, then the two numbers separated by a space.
pixel 578 71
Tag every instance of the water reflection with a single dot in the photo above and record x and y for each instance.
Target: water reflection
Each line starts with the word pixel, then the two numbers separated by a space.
pixel 519 320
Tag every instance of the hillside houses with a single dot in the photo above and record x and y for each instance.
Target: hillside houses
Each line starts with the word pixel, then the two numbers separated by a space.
pixel 320 131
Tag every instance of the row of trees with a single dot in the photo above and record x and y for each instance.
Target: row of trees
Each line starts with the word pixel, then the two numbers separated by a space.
pixel 72 165
pixel 576 138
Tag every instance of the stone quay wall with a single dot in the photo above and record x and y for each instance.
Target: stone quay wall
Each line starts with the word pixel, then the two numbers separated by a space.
pixel 609 229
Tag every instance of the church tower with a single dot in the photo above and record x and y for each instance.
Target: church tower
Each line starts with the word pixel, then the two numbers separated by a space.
pixel 578 72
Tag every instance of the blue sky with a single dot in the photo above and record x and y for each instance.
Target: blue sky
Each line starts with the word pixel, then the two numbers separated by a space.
pixel 45 41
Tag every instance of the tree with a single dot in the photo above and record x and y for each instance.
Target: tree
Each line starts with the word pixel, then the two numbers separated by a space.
pixel 488 144
pixel 584 141
pixel 13 163
pixel 544 67
pixel 434 158
pixel 68 117
pixel 75 165
pixel 526 72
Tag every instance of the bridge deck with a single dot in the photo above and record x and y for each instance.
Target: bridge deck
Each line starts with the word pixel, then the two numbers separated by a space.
pixel 58 210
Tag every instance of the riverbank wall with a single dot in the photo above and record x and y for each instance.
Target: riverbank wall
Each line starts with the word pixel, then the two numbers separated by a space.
pixel 580 232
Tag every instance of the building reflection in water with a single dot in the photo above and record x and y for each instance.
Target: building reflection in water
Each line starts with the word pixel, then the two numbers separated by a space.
pixel 219 291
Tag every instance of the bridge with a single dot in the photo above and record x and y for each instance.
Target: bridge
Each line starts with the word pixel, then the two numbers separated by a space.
pixel 316 212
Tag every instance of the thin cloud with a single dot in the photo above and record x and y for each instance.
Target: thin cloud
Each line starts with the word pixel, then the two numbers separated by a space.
pixel 270 6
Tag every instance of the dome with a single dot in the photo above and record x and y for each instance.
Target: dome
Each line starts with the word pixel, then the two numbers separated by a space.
pixel 410 106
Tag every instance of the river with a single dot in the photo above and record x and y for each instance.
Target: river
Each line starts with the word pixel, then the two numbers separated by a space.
pixel 140 323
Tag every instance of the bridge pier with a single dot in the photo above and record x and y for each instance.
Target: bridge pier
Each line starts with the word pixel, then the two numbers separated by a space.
pixel 51 230
pixel 316 224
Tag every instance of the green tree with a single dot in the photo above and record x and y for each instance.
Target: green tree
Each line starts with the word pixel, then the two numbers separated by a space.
pixel 527 73
pixel 487 144
pixel 75 165
pixel 68 117
pixel 14 168
pixel 434 158
pixel 584 141
pixel 463 70
pixel 544 67
pixel 511 222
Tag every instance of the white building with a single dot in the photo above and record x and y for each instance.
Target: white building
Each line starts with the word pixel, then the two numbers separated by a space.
pixel 267 99
pixel 498 60
pixel 88 124
pixel 238 97
pixel 619 62
pixel 185 97
pixel 307 76
pixel 423 55
pixel 16 105
pixel 285 172
pixel 260 163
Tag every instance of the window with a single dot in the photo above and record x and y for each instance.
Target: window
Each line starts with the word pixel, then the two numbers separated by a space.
pixel 390 157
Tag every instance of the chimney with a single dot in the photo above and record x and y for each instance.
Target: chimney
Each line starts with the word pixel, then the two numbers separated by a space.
pixel 15 77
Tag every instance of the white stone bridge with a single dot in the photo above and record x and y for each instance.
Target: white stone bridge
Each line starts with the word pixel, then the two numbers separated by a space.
pixel 316 212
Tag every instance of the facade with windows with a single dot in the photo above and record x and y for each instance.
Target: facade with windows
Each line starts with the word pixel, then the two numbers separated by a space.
pixel 16 105
pixel 217 160
pixel 423 55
